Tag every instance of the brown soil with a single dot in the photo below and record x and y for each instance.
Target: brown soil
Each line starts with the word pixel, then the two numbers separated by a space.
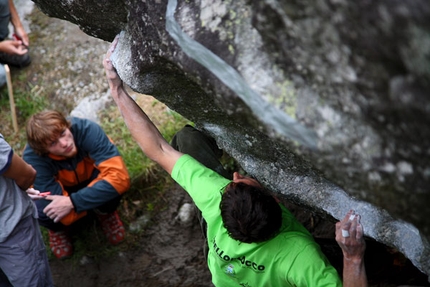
pixel 67 65
pixel 167 253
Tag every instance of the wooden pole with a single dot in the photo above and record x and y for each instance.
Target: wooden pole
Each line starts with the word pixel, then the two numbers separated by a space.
pixel 11 99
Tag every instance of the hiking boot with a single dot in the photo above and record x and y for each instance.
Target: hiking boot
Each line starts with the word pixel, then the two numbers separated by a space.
pixel 60 244
pixel 112 227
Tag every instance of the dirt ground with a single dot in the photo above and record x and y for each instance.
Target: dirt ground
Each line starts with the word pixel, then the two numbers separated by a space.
pixel 166 252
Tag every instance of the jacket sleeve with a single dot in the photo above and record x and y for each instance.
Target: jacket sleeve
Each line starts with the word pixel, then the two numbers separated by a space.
pixel 113 178
pixel 46 181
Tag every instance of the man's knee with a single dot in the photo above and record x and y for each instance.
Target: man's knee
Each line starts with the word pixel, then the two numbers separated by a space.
pixel 22 61
pixel 191 141
pixel 184 140
pixel 201 147
pixel 19 61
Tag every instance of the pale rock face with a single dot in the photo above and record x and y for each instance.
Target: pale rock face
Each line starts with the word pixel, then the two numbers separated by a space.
pixel 325 102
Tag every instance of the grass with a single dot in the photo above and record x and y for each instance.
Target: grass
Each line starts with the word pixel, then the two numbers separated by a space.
pixel 168 123
pixel 38 87
pixel 145 196
pixel 148 180
pixel 28 100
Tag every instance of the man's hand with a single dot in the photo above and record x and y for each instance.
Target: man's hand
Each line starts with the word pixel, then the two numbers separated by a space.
pixel 13 47
pixel 22 35
pixel 143 130
pixel 349 236
pixel 114 80
pixel 59 207
pixel 35 194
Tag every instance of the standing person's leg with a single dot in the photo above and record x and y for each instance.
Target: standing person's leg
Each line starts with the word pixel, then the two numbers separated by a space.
pixel 4 282
pixel 23 257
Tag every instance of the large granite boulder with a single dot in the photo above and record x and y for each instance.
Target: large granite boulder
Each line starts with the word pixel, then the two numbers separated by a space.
pixel 325 102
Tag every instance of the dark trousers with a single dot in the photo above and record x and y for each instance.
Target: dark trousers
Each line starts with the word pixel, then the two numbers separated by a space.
pixel 23 257
pixel 19 61
pixel 108 207
pixel 201 147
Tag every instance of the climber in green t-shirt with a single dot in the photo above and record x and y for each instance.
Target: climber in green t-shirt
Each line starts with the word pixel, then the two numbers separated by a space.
pixel 253 240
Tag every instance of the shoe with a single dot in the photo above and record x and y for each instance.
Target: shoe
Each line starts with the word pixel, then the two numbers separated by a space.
pixel 112 227
pixel 60 244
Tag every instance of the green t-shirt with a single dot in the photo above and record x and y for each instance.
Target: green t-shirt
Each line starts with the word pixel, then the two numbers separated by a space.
pixel 292 258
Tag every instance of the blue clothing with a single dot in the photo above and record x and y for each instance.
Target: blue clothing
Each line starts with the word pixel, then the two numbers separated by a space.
pixel 92 178
pixel 15 204
pixel 4 32
pixel 23 258
pixel 4 19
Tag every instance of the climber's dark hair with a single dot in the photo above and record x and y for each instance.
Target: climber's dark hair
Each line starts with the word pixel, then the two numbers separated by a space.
pixel 250 214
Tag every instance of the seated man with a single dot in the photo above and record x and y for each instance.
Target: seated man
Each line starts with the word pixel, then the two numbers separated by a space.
pixel 13 52
pixel 252 239
pixel 75 161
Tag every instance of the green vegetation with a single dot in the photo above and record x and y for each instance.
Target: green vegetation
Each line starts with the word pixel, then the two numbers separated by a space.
pixel 137 163
pixel 39 87
pixel 145 196
pixel 149 181
pixel 28 100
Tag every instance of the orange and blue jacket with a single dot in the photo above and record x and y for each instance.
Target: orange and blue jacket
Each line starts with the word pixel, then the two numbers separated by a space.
pixel 96 175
